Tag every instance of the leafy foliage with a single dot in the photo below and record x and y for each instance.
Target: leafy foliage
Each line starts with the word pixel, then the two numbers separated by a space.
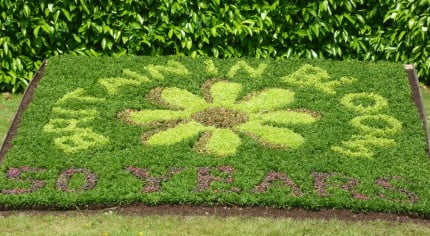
pixel 371 30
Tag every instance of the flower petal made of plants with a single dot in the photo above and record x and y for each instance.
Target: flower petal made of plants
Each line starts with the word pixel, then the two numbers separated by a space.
pixel 225 93
pixel 267 100
pixel 176 134
pixel 223 142
pixel 143 117
pixel 285 117
pixel 272 136
pixel 183 99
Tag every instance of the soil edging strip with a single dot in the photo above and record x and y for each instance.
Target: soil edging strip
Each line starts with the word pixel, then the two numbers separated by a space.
pixel 417 98
pixel 25 101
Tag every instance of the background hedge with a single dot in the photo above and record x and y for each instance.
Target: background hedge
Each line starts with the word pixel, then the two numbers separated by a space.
pixel 395 30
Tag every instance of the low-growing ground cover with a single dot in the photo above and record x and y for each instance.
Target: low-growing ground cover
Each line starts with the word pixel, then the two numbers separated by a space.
pixel 312 134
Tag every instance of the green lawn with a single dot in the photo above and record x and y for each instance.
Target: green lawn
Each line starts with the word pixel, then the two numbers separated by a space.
pixel 426 98
pixel 8 105
pixel 112 224
pixel 81 223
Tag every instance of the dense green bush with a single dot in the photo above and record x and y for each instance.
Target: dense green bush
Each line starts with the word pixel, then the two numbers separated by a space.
pixel 395 30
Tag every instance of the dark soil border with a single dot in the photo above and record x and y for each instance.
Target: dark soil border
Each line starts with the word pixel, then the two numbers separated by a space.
pixel 418 100
pixel 217 210
pixel 227 211
pixel 25 101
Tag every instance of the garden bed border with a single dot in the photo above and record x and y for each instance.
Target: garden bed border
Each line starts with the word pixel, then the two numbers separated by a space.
pixel 25 101
pixel 418 100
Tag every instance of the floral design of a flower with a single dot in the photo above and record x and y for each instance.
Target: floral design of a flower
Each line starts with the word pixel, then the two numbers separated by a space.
pixel 219 116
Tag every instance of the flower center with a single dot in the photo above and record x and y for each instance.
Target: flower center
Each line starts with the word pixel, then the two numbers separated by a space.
pixel 220 117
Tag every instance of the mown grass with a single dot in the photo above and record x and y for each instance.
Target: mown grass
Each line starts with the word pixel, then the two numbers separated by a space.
pixel 113 224
pixel 8 105
pixel 425 93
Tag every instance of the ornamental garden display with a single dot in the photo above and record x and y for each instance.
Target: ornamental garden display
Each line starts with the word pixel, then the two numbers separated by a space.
pixel 174 130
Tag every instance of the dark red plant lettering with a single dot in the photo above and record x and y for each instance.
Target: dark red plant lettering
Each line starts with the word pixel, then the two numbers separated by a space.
pixel 152 183
pixel 385 183
pixel 15 174
pixel 205 178
pixel 65 176
pixel 321 180
pixel 278 176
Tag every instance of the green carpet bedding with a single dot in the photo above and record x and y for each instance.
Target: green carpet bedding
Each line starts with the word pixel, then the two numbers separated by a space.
pixel 155 130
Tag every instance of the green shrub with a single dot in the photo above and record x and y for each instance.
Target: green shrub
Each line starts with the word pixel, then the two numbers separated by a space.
pixel 371 30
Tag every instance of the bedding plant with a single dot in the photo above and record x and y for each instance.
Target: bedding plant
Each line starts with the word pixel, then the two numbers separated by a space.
pixel 156 130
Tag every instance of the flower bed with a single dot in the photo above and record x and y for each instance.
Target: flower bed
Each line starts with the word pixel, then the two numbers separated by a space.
pixel 298 133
